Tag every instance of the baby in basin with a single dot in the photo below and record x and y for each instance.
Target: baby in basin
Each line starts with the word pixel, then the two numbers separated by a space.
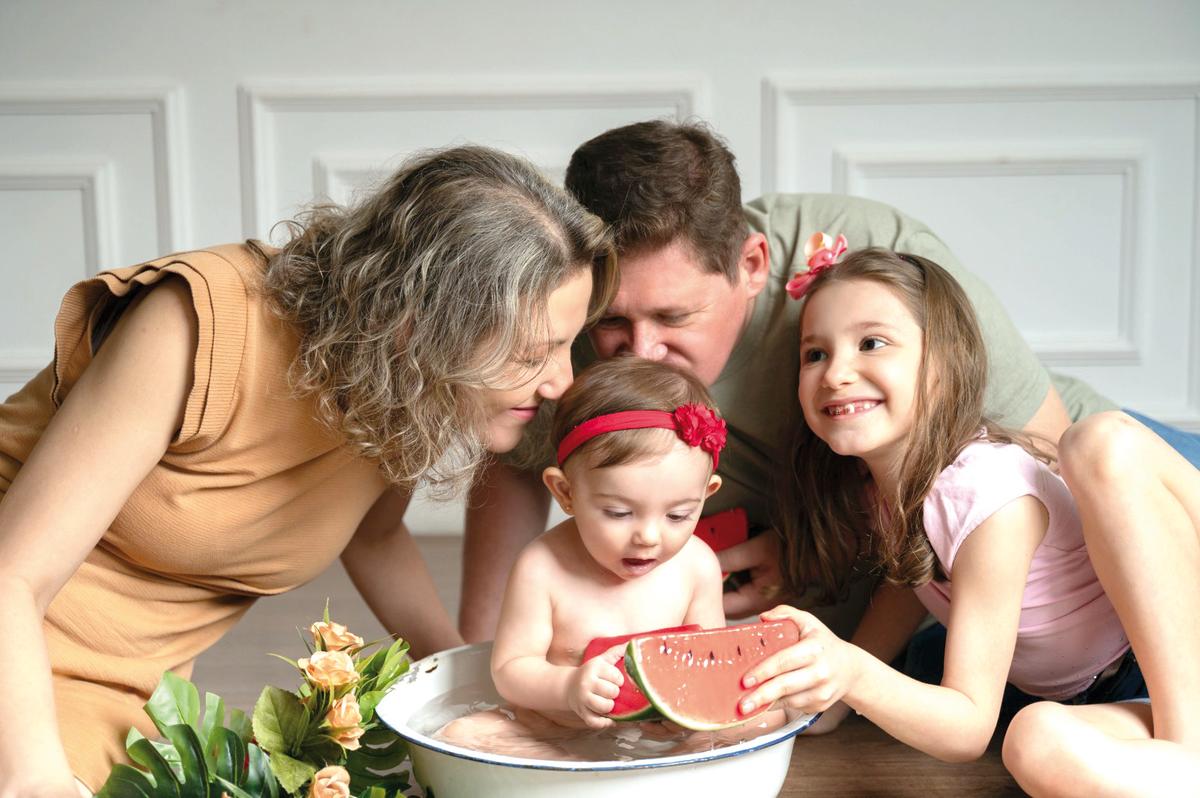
pixel 638 445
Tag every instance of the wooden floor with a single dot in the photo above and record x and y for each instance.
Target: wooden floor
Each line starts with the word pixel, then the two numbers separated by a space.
pixel 856 760
pixel 859 759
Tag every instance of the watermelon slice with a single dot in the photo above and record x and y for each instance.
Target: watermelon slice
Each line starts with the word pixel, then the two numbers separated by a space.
pixel 695 678
pixel 630 704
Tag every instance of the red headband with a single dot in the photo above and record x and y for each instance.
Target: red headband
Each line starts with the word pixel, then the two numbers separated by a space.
pixel 696 425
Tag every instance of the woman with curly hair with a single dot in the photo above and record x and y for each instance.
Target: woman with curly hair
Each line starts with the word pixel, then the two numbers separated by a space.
pixel 220 425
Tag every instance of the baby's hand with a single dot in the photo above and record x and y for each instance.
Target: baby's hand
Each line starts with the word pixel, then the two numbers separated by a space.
pixel 593 687
pixel 810 676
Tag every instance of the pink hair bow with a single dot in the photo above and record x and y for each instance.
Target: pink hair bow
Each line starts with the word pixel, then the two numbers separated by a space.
pixel 821 252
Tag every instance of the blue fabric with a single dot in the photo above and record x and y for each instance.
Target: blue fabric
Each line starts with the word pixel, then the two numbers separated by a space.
pixel 1186 443
pixel 926 656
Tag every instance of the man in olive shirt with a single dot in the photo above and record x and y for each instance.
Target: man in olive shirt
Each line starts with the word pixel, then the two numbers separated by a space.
pixel 702 286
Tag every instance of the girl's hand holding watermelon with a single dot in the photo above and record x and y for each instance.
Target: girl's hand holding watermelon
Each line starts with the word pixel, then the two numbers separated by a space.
pixel 810 676
pixel 593 687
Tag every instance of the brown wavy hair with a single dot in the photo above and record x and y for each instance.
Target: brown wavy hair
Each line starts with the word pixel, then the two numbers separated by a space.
pixel 419 297
pixel 626 383
pixel 661 180
pixel 829 520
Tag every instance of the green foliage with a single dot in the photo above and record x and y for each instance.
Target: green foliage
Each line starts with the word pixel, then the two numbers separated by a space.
pixel 275 752
pixel 378 763
pixel 280 721
pixel 199 757
pixel 291 773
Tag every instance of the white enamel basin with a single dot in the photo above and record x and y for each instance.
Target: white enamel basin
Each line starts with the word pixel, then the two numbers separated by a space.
pixel 752 769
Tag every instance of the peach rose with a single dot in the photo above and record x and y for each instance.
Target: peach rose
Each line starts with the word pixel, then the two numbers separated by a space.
pixel 332 781
pixel 344 718
pixel 348 738
pixel 329 669
pixel 334 636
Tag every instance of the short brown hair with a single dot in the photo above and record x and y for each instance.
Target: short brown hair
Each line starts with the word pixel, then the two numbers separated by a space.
pixel 658 181
pixel 626 383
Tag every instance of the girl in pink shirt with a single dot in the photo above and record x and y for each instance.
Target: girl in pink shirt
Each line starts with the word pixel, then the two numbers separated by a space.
pixel 1038 586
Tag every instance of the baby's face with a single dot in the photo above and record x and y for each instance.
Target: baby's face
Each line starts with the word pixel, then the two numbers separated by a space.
pixel 636 516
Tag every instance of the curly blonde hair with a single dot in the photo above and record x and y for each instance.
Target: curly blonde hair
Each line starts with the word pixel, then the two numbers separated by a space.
pixel 414 301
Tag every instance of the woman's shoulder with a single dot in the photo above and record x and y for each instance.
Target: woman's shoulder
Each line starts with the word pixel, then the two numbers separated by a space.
pixel 213 291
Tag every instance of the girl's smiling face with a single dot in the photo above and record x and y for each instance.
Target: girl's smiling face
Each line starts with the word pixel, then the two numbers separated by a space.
pixel 860 360
pixel 635 516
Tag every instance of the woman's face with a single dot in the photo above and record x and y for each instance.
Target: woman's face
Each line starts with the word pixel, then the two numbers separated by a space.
pixel 540 374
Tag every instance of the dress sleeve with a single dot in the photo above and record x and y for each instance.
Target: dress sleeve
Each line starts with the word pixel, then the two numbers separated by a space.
pixel 219 300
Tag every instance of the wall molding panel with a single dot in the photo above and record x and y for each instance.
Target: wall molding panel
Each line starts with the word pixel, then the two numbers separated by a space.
pixel 92 180
pixel 163 112
pixel 853 170
pixel 260 105
pixel 975 126
pixel 335 175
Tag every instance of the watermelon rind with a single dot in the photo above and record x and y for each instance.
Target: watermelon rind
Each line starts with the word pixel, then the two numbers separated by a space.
pixel 648 713
pixel 633 666
pixel 646 710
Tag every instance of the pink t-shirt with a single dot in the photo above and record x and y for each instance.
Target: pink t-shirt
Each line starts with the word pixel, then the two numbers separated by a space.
pixel 1068 630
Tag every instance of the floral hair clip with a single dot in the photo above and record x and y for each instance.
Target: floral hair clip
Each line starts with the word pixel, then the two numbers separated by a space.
pixel 822 252
pixel 696 425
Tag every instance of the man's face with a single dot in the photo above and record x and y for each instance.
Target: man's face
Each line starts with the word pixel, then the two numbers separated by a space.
pixel 669 308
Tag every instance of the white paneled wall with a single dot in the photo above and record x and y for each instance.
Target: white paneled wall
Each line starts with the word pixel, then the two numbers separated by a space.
pixel 1076 201
pixel 302 139
pixel 1053 145
pixel 89 179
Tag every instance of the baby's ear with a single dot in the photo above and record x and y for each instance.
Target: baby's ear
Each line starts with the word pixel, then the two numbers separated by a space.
pixel 559 486
pixel 714 484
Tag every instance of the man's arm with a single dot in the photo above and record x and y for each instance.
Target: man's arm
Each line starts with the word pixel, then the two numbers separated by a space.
pixel 1051 419
pixel 506 509
pixel 386 566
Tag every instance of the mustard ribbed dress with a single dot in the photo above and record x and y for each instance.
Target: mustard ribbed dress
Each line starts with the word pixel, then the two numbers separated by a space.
pixel 253 497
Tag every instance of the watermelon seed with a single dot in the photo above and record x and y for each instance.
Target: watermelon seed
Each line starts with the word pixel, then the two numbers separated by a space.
pixel 739 648
pixel 712 656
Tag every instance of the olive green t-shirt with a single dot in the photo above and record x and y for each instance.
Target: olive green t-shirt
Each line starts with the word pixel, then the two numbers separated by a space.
pixel 756 391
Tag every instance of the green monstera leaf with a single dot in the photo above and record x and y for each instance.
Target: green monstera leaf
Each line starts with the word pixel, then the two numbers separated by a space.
pixel 378 764
pixel 198 757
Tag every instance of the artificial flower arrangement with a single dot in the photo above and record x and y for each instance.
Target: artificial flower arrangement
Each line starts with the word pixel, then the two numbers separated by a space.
pixel 322 741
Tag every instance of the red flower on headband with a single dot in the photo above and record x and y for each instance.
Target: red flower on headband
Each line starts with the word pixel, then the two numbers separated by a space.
pixel 821 252
pixel 698 425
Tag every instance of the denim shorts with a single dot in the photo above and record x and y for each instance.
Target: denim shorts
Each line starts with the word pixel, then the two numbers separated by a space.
pixel 1186 443
pixel 926 657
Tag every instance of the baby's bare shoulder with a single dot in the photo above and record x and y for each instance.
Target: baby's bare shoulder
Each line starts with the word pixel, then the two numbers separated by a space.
pixel 699 558
pixel 552 548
